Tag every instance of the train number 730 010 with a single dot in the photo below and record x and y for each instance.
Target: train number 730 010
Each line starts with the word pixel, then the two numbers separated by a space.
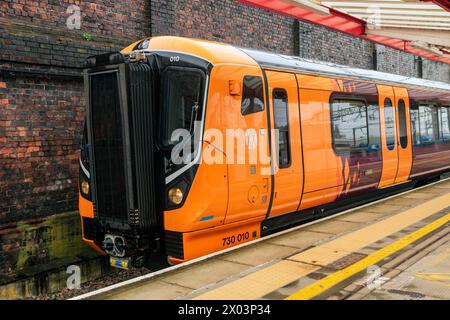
pixel 228 241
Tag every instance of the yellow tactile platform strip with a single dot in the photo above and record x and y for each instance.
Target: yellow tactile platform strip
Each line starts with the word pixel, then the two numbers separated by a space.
pixel 264 281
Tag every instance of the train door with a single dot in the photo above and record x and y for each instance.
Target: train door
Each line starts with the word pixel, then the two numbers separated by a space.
pixel 388 122
pixel 287 155
pixel 403 134
pixel 243 115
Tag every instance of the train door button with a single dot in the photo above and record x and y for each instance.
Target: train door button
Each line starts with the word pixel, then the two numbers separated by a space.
pixel 253 194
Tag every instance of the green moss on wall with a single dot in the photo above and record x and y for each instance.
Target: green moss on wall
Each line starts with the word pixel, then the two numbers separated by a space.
pixel 53 242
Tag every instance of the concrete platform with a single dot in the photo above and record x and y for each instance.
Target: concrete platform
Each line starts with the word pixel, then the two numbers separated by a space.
pixel 397 248
pixel 425 279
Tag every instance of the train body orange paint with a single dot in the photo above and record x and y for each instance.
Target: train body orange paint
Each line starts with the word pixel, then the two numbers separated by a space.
pixel 346 137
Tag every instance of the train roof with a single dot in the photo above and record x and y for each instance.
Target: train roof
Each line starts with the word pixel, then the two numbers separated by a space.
pixel 221 53
pixel 280 61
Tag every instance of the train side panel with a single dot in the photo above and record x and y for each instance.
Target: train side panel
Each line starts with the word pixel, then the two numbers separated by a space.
pixel 355 114
pixel 322 181
pixel 333 173
pixel 430 137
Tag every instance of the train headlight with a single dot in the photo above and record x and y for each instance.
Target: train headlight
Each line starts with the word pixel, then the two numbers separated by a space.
pixel 175 195
pixel 85 187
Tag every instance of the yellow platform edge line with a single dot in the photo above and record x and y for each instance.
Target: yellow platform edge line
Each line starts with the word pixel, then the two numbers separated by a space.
pixel 332 280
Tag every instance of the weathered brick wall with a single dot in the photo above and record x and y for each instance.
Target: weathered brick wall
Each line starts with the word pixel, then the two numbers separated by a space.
pixel 226 21
pixel 436 71
pixel 396 61
pixel 41 95
pixel 121 19
pixel 321 43
pixel 41 121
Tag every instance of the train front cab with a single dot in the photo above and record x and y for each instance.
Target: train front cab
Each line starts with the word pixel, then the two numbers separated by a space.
pixel 200 213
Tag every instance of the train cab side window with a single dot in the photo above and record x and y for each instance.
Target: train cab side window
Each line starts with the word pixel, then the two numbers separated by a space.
pixel 402 124
pixel 252 95
pixel 389 123
pixel 444 124
pixel 349 126
pixel 280 115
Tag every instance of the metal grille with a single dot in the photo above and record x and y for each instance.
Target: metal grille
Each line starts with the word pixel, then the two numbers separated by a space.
pixel 108 146
pixel 90 229
pixel 141 130
pixel 174 244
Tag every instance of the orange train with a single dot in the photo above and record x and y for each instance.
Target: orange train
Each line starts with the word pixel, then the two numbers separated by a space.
pixel 345 136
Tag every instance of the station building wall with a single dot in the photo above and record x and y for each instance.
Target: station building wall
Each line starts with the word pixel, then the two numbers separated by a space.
pixel 321 43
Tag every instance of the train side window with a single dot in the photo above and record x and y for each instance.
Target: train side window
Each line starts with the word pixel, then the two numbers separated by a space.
pixel 373 117
pixel 402 124
pixel 444 123
pixel 389 123
pixel 428 125
pixel 281 122
pixel 349 126
pixel 252 95
pixel 415 125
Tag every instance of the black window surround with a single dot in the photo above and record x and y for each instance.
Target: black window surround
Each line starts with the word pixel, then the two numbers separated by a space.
pixel 402 124
pixel 389 123
pixel 444 124
pixel 281 123
pixel 427 124
pixel 349 125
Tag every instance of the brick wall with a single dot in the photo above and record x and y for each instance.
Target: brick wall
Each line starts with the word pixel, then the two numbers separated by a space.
pixel 435 70
pixel 41 97
pixel 122 19
pixel 226 21
pixel 321 43
pixel 41 121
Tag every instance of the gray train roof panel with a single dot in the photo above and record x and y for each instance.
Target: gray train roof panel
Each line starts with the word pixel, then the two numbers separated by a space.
pixel 273 60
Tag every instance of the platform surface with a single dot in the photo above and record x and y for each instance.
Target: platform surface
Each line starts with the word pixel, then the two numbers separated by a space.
pixel 397 248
